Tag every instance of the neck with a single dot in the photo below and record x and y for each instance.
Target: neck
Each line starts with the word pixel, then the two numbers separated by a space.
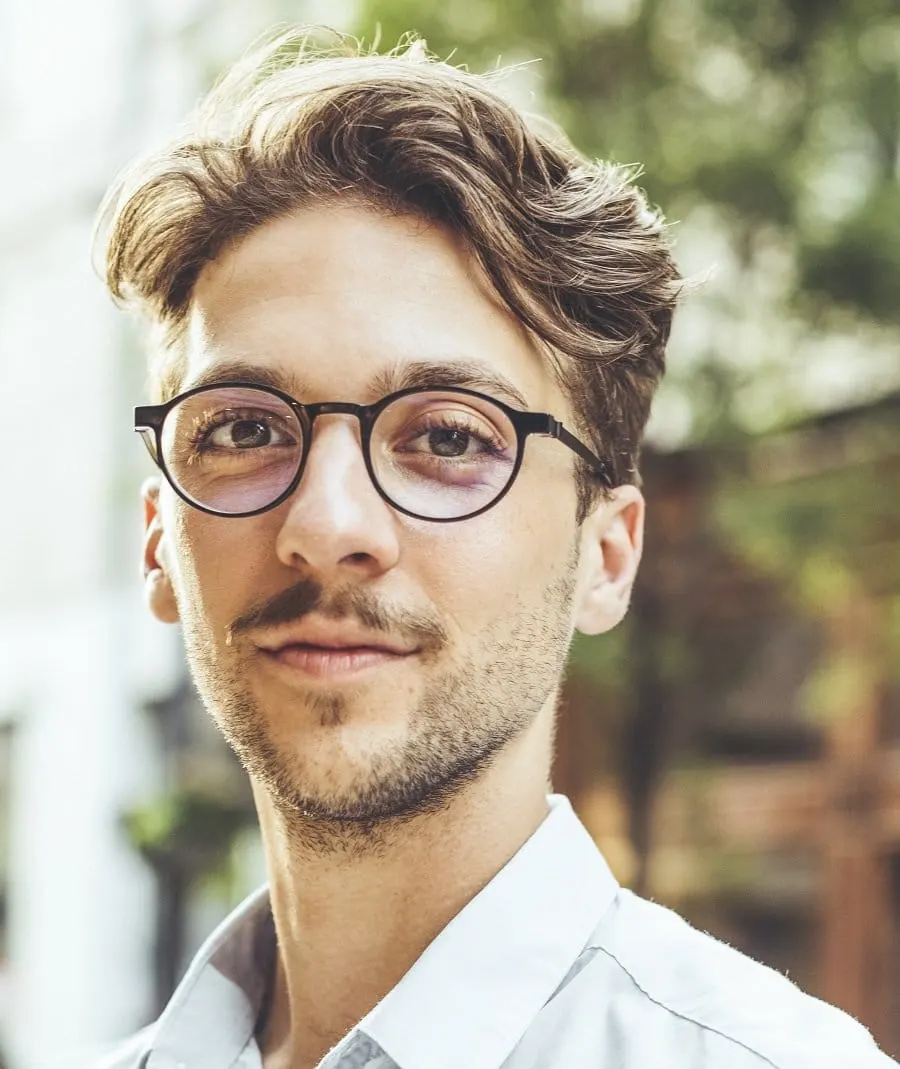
pixel 351 922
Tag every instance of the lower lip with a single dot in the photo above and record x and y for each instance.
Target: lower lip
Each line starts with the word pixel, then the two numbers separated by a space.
pixel 321 663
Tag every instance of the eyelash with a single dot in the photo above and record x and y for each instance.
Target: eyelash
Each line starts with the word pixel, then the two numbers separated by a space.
pixel 202 430
pixel 492 445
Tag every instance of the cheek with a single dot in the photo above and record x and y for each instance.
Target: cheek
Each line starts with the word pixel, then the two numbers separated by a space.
pixel 480 569
pixel 220 562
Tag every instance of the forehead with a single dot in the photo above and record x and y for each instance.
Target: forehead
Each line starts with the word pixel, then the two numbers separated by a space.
pixel 335 302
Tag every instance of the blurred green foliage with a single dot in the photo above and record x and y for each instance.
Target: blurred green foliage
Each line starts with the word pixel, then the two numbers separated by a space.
pixel 189 830
pixel 780 119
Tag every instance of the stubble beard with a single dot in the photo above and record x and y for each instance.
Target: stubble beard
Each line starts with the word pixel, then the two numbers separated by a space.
pixel 465 718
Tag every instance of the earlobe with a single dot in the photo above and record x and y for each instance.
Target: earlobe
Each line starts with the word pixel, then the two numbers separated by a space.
pixel 613 540
pixel 157 583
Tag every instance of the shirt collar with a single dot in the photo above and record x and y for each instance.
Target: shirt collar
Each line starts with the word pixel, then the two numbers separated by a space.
pixel 467 1000
pixel 472 994
pixel 213 1012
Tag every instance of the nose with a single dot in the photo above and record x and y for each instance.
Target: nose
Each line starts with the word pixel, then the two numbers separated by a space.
pixel 336 521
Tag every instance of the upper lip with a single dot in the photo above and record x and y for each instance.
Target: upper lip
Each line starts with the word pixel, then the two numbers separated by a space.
pixel 331 636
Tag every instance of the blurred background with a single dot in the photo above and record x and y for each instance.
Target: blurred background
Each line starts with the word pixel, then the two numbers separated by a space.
pixel 734 747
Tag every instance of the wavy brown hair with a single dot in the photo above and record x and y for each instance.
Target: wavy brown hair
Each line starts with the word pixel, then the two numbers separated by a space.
pixel 569 244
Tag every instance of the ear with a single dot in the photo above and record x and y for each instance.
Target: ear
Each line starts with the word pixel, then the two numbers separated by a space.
pixel 612 543
pixel 158 587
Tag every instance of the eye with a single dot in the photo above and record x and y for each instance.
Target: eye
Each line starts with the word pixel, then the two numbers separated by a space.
pixel 451 441
pixel 244 434
pixel 450 436
pixel 230 431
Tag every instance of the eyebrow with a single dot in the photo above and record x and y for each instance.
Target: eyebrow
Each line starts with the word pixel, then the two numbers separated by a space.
pixel 469 375
pixel 239 371
pixel 420 374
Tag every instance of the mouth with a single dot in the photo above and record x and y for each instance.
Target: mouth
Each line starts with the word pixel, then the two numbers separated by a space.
pixel 333 663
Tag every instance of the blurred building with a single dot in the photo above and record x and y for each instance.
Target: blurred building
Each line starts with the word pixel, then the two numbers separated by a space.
pixel 747 768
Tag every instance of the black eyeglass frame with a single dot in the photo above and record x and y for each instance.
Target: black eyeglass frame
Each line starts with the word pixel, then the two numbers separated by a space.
pixel 149 420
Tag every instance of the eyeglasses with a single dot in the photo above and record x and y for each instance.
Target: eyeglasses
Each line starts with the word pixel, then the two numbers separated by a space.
pixel 239 449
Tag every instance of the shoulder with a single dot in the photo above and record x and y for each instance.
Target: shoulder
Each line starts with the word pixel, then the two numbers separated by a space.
pixel 689 982
pixel 131 1053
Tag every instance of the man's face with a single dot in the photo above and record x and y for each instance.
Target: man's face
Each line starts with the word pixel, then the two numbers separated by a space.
pixel 363 663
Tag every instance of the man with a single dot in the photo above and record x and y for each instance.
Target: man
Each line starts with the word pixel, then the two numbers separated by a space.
pixel 406 349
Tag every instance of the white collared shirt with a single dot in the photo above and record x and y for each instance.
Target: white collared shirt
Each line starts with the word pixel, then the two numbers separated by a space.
pixel 551 966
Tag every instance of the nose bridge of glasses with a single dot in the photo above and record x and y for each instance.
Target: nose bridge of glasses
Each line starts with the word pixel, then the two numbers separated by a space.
pixel 334 408
pixel 336 458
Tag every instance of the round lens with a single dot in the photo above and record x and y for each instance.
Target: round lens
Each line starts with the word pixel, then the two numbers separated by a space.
pixel 232 449
pixel 442 455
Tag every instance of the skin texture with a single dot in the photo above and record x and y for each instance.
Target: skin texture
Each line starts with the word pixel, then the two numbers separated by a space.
pixel 386 800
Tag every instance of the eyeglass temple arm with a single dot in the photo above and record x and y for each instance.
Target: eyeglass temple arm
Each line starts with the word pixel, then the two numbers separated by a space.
pixel 147 421
pixel 599 464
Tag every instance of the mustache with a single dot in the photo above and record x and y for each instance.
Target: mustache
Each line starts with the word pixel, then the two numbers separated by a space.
pixel 308 596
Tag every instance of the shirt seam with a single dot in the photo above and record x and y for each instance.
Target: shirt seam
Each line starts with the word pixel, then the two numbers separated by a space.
pixel 240 1054
pixel 685 1017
